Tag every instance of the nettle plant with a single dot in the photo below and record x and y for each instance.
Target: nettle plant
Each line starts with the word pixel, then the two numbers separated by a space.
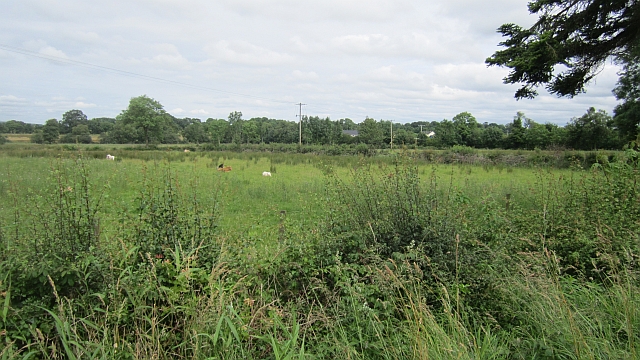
pixel 61 238
pixel 169 217
pixel 54 242
pixel 172 223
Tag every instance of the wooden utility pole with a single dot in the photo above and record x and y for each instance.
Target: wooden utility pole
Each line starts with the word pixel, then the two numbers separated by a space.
pixel 391 134
pixel 300 123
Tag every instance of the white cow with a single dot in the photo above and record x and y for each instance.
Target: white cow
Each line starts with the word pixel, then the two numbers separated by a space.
pixel 266 173
pixel 110 157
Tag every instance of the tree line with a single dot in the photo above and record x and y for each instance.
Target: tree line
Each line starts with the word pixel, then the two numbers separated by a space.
pixel 146 122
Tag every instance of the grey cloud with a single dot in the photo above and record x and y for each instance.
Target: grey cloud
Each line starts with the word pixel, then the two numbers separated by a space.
pixel 243 52
pixel 328 10
pixel 406 60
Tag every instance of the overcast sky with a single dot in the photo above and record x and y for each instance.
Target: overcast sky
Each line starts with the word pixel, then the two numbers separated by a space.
pixel 400 60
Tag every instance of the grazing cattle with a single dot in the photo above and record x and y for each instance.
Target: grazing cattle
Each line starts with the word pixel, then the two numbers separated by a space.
pixel 187 150
pixel 266 173
pixel 224 169
pixel 110 157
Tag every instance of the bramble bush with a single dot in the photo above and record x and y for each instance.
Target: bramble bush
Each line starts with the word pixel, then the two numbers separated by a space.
pixel 53 253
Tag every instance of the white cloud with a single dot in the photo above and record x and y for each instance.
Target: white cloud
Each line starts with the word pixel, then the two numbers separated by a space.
pixel 243 52
pixel 81 104
pixel 308 76
pixel 199 112
pixel 326 10
pixel 430 47
pixel 176 111
pixel 363 44
pixel 87 37
pixel 51 51
pixel 6 99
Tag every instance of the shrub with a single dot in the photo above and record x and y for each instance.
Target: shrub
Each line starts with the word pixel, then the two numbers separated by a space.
pixel 37 137
pixel 55 242
pixel 386 213
pixel 463 150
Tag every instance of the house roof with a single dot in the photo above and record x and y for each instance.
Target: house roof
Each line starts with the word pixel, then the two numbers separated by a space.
pixel 350 132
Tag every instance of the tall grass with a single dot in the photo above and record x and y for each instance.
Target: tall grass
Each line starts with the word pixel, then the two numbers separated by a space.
pixel 394 259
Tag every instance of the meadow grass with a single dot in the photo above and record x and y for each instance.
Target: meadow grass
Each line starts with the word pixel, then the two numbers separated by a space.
pixel 372 258
pixel 252 203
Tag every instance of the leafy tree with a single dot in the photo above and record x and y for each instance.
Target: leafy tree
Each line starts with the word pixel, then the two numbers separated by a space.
pixel 557 135
pixel 370 133
pixel 101 125
pixel 122 133
pixel 536 135
pixel 447 134
pixel 3 139
pixel 283 132
pixel 217 129
pixel 183 123
pixel 404 137
pixel 235 122
pixel 592 130
pixel 579 35
pixel 492 136
pixel 196 133
pixel 71 119
pixel 627 114
pixel 16 127
pixel 147 115
pixel 251 132
pixel 347 124
pixel 79 134
pixel 516 132
pixel 82 134
pixel 37 137
pixel 466 125
pixel 626 119
pixel 170 133
pixel 51 131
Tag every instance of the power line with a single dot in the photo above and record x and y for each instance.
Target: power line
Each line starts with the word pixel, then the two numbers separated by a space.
pixel 158 79
pixel 129 73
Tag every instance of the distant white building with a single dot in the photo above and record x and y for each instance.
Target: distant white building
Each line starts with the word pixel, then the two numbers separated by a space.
pixel 431 134
pixel 352 133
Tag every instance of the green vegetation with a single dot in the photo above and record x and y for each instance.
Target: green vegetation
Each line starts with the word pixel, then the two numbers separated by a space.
pixel 577 36
pixel 159 255
pixel 146 122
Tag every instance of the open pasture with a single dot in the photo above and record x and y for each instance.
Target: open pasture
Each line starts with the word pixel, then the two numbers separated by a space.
pixel 249 203
pixel 160 255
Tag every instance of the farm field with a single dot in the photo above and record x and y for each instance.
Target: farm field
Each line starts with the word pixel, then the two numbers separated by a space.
pixel 159 255
pixel 247 201
pixel 26 138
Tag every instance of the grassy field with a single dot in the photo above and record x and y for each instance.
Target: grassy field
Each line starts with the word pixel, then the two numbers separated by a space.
pixel 159 255
pixel 26 138
pixel 250 202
